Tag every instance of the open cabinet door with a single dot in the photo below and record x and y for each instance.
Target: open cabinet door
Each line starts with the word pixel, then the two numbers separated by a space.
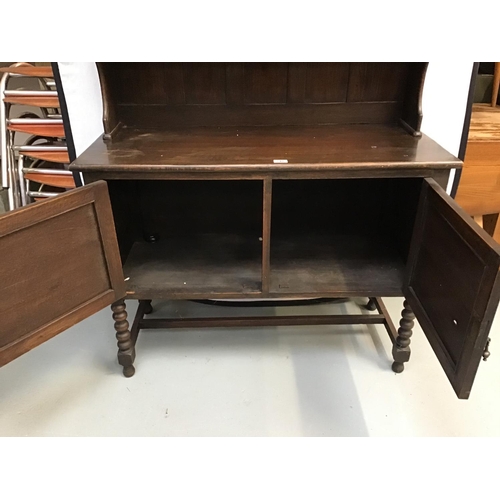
pixel 59 264
pixel 452 284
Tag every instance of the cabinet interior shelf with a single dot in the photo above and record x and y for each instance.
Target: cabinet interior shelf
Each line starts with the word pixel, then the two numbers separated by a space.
pixel 230 266
pixel 334 266
pixel 309 238
pixel 186 266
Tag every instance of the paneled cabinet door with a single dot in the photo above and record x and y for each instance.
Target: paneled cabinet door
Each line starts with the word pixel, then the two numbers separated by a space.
pixel 59 264
pixel 452 284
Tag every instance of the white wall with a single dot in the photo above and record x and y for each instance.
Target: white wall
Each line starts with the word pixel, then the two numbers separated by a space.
pixel 444 103
pixel 83 98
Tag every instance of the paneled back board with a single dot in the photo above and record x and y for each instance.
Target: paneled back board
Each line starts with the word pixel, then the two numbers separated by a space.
pixel 169 94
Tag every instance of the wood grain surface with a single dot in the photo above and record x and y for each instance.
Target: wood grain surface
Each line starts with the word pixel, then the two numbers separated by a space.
pixel 39 71
pixel 254 149
pixel 60 264
pixel 453 284
pixel 42 129
pixel 479 189
pixel 37 101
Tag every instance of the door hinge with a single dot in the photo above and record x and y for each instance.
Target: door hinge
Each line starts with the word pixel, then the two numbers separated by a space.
pixel 486 352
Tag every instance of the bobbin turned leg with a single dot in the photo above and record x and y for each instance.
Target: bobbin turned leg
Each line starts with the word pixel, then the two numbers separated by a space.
pixel 401 348
pixel 148 308
pixel 126 349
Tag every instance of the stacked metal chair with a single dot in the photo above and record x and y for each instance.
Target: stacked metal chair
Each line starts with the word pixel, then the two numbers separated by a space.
pixel 36 169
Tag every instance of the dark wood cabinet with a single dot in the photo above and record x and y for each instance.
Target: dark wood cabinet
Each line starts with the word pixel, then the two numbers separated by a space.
pixel 256 180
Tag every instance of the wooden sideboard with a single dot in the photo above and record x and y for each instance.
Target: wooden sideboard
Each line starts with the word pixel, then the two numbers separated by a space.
pixel 256 181
pixel 479 189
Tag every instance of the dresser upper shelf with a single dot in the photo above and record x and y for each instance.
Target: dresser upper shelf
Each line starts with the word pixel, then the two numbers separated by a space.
pixel 247 120
pixel 273 149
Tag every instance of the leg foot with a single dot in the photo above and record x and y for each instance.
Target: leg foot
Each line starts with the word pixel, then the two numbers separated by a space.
pixel 128 371
pixel 397 367
pixel 370 306
pixel 401 348
pixel 126 349
pixel 148 308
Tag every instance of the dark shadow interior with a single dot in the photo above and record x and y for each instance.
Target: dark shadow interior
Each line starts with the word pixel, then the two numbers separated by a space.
pixel 190 236
pixel 333 235
pixel 326 235
pixel 378 209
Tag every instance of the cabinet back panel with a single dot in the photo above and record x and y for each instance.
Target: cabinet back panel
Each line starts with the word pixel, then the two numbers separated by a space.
pixel 310 206
pixel 317 82
pixel 382 208
pixel 198 207
pixel 148 94
pixel 265 83
pixel 377 82
pixel 213 90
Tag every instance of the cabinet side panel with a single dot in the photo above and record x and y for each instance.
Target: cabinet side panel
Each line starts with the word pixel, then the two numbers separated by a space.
pixel 109 110
pixel 124 197
pixel 411 114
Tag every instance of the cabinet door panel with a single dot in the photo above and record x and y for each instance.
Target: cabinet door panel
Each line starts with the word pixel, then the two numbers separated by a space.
pixel 452 284
pixel 59 264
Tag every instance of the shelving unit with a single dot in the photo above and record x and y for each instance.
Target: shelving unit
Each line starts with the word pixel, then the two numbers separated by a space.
pixel 226 238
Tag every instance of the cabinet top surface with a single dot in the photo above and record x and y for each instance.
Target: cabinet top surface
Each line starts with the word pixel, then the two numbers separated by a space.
pixel 256 149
